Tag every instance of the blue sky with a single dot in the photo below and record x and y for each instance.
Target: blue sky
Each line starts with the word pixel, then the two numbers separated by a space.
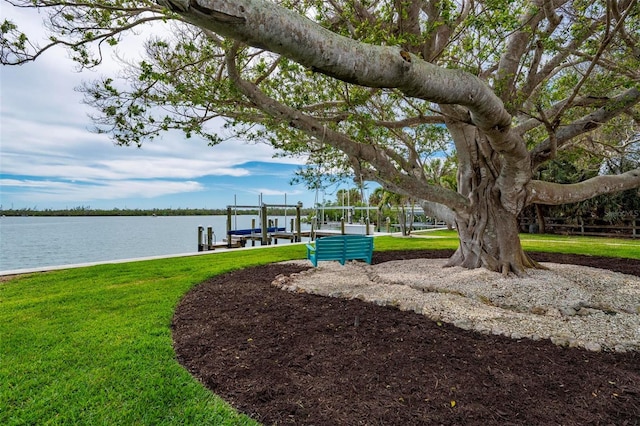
pixel 49 158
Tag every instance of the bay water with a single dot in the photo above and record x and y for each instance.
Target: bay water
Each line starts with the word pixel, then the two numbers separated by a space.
pixel 37 241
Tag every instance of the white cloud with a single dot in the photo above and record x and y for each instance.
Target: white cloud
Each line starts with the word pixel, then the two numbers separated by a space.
pixel 48 154
pixel 43 191
pixel 271 191
pixel 66 151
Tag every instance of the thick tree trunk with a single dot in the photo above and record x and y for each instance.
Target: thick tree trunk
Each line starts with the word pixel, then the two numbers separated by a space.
pixel 488 230
pixel 489 239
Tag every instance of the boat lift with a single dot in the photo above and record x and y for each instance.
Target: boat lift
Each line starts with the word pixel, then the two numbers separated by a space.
pixel 265 232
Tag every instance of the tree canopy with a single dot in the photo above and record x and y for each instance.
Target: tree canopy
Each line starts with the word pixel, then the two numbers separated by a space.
pixel 381 88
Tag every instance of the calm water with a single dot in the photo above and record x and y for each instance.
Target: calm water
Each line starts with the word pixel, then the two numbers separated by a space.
pixel 33 242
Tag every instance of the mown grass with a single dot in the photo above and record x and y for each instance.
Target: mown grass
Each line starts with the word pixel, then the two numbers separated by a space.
pixel 593 246
pixel 93 345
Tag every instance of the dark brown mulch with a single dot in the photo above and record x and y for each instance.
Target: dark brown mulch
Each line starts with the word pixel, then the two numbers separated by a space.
pixel 301 359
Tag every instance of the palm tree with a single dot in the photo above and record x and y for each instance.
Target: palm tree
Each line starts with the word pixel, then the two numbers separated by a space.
pixel 393 201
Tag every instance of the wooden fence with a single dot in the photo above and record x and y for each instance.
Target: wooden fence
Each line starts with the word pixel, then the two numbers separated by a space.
pixel 625 228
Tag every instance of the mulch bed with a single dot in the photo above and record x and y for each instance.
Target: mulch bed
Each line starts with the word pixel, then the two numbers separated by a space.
pixel 302 359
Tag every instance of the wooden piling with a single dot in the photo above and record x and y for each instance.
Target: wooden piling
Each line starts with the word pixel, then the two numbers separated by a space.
pixel 263 211
pixel 275 240
pixel 229 227
pixel 298 226
pixel 200 244
pixel 210 238
pixel 253 226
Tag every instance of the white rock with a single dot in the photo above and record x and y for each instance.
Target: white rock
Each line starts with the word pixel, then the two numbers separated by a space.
pixel 593 346
pixel 556 302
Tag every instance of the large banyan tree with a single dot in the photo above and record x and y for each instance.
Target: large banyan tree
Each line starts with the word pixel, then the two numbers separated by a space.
pixel 379 87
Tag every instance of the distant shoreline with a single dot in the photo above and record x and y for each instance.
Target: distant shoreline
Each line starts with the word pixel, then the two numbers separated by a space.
pixel 138 212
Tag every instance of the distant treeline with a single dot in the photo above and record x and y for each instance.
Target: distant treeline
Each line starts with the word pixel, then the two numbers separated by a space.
pixel 83 211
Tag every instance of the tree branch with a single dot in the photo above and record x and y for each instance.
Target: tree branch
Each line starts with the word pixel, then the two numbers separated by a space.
pixel 263 24
pixel 357 152
pixel 584 101
pixel 608 38
pixel 411 121
pixel 517 46
pixel 438 211
pixel 260 23
pixel 541 192
pixel 613 107
pixel 11 54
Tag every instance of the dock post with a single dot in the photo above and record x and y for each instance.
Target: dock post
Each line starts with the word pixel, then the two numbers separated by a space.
pixel 294 236
pixel 263 209
pixel 228 227
pixel 253 226
pixel 200 245
pixel 298 229
pixel 275 240
pixel 210 238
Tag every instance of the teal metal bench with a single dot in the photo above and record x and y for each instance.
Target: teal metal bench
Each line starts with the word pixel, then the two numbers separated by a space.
pixel 341 248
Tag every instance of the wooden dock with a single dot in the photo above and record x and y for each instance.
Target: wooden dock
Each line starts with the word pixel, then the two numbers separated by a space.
pixel 268 235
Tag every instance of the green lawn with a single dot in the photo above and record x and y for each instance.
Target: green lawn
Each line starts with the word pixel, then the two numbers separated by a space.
pixel 594 246
pixel 93 345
